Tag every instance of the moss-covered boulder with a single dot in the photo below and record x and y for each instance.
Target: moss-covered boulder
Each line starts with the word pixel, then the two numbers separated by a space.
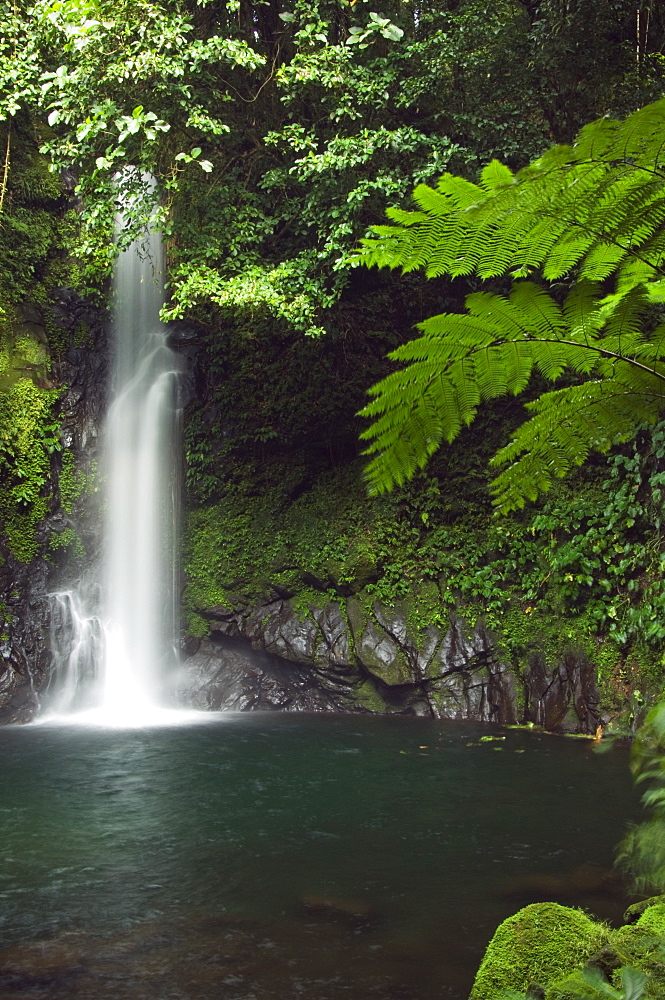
pixel 641 946
pixel 635 910
pixel 653 919
pixel 538 945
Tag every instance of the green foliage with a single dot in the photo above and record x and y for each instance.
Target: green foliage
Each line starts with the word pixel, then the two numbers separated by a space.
pixel 589 213
pixel 591 984
pixel 277 131
pixel 35 235
pixel 72 482
pixel 68 539
pixel 29 435
pixel 642 852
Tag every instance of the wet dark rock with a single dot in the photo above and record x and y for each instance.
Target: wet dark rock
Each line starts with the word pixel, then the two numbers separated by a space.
pixel 564 696
pixel 226 674
pixel 24 651
pixel 348 656
pixel 635 910
pixel 69 180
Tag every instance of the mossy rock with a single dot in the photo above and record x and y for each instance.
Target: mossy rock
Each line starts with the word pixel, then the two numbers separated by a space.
pixel 635 944
pixel 653 919
pixel 368 697
pixel 538 945
pixel 635 910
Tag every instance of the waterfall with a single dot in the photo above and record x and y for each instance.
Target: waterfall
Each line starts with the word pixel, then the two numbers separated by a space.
pixel 114 636
pixel 138 582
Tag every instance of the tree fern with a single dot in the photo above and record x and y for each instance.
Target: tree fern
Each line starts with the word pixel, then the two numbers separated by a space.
pixel 591 214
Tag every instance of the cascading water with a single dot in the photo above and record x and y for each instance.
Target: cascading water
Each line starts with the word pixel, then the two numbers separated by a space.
pixel 114 637
pixel 141 428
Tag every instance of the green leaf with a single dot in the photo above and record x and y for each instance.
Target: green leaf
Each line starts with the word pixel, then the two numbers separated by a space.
pixel 495 175
pixel 634 983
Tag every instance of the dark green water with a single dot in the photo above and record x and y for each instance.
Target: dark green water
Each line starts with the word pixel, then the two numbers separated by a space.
pixel 256 857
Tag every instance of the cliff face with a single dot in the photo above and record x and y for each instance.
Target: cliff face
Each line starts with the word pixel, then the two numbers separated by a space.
pixel 51 554
pixel 310 597
pixel 302 593
pixel 354 657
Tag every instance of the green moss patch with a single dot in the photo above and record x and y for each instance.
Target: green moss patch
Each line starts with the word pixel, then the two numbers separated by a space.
pixel 538 945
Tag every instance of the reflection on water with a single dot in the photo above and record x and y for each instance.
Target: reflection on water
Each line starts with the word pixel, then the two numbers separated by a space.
pixel 265 856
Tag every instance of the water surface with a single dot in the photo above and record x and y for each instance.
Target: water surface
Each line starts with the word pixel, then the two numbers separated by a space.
pixel 269 856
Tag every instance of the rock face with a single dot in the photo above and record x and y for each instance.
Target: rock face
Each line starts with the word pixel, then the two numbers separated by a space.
pixel 346 656
pixel 24 654
pixel 25 644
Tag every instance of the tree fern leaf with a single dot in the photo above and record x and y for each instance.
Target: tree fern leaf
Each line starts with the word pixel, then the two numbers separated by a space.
pixel 444 334
pixel 596 139
pixel 602 261
pixel 462 192
pixel 580 310
pixel 553 359
pixel 594 210
pixel 567 424
pixel 639 272
pixel 565 253
pixel 495 175
pixel 433 202
pixel 405 218
pixel 541 313
pixel 640 134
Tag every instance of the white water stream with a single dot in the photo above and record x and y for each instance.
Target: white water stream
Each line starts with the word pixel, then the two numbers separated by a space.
pixel 114 636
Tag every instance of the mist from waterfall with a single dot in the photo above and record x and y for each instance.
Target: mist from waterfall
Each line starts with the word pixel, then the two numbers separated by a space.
pixel 114 636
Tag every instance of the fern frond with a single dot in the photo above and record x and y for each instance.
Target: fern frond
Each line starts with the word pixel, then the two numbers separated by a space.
pixel 403 217
pixel 463 192
pixel 495 175
pixel 566 426
pixel 593 212
pixel 601 261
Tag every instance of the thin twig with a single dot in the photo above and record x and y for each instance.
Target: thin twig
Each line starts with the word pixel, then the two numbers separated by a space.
pixel 5 170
